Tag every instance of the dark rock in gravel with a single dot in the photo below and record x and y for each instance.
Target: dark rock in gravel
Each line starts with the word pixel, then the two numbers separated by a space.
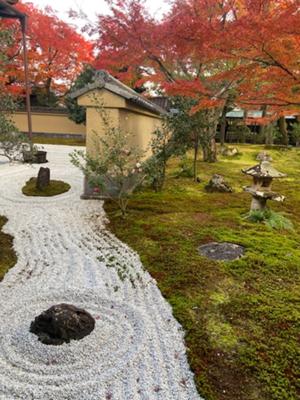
pixel 222 251
pixel 218 184
pixel 43 178
pixel 62 323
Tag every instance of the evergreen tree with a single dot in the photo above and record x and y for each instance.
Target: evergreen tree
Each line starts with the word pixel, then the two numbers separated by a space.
pixel 78 113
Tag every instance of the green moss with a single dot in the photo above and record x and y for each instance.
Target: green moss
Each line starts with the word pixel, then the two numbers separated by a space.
pixel 60 141
pixel 218 298
pixel 53 189
pixel 272 219
pixel 241 318
pixel 8 256
pixel 221 334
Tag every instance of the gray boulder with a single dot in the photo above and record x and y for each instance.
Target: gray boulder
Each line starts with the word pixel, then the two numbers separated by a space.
pixel 263 156
pixel 218 184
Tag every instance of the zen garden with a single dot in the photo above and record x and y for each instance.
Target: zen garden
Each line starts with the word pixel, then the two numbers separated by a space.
pixel 150 200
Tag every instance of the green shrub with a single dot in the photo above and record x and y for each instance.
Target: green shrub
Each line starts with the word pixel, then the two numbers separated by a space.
pixel 8 257
pixel 296 133
pixel 238 133
pixel 272 219
pixel 185 169
pixel 115 169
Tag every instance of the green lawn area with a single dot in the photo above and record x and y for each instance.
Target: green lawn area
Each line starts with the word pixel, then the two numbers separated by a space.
pixel 241 318
pixel 57 140
pixel 8 256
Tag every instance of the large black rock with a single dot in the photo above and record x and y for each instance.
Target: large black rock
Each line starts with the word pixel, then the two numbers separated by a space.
pixel 62 323
pixel 43 178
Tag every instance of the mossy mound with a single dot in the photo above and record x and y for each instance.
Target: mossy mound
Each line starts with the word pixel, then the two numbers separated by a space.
pixel 241 319
pixel 54 188
pixel 8 256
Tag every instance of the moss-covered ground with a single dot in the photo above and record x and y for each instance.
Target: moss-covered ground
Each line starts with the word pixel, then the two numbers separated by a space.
pixel 57 140
pixel 53 189
pixel 8 256
pixel 241 318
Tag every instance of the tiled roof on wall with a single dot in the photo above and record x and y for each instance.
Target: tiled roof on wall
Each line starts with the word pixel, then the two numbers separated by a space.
pixel 104 80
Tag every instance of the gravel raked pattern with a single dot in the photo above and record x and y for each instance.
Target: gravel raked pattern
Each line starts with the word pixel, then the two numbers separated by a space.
pixel 65 254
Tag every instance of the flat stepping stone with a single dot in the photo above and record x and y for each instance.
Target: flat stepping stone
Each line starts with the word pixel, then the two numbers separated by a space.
pixel 224 251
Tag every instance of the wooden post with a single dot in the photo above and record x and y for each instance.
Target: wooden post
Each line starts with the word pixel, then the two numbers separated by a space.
pixel 283 131
pixel 26 73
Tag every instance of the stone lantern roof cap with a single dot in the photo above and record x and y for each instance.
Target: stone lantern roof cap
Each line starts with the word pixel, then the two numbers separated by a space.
pixel 263 170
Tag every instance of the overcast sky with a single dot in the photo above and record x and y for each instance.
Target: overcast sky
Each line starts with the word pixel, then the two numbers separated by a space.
pixel 92 7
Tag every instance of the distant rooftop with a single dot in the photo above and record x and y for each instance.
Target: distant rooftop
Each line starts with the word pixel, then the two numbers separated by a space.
pixel 251 114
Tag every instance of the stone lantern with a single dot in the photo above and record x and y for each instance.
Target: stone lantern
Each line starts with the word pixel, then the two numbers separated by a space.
pixel 261 191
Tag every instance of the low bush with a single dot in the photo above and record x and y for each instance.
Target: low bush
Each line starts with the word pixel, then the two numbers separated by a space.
pixel 272 219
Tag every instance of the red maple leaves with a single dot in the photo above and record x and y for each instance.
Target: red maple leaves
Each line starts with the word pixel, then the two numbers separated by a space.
pixel 56 51
pixel 210 50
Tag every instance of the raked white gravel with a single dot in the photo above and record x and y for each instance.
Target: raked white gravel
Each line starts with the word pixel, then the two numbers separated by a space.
pixel 65 254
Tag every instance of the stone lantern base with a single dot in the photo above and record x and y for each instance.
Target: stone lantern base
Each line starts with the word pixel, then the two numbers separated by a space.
pixel 260 198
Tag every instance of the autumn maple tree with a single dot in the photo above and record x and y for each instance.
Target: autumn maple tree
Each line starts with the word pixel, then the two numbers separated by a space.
pixel 216 52
pixel 136 48
pixel 265 37
pixel 56 52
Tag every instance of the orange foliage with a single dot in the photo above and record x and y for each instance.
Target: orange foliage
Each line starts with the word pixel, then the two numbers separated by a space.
pixel 56 52
pixel 211 50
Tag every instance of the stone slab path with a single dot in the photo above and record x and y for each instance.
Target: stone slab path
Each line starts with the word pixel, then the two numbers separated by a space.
pixel 65 254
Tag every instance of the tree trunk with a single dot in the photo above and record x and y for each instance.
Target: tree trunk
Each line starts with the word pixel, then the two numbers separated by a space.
pixel 283 131
pixel 48 89
pixel 223 124
pixel 213 147
pixel 210 151
pixel 207 136
pixel 269 139
pixel 204 153
pixel 196 150
pixel 262 130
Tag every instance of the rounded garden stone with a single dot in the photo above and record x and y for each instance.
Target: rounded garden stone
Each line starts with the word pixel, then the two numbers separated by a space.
pixel 222 251
pixel 62 323
pixel 218 184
